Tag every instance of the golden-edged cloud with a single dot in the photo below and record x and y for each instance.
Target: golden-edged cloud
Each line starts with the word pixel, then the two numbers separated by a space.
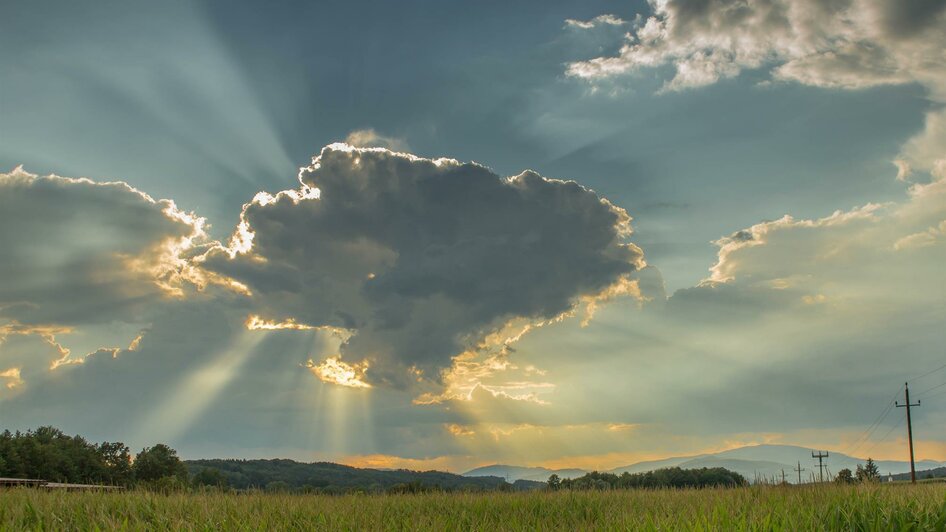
pixel 424 260
pixel 334 370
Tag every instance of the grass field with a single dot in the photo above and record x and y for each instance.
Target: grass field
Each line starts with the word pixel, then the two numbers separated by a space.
pixel 892 507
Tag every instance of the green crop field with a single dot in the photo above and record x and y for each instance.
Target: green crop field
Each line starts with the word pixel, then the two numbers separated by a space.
pixel 891 507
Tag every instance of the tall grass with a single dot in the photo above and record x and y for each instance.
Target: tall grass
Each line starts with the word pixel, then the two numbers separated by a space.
pixel 878 507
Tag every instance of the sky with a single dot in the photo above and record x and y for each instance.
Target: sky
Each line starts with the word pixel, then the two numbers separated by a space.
pixel 435 234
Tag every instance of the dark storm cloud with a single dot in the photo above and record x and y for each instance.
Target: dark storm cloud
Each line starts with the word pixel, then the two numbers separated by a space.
pixel 912 19
pixel 423 258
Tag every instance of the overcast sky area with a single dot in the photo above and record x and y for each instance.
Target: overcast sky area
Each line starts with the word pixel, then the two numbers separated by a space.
pixel 436 234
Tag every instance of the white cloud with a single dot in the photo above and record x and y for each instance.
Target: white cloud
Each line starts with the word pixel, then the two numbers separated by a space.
pixel 369 138
pixel 600 20
pixel 853 44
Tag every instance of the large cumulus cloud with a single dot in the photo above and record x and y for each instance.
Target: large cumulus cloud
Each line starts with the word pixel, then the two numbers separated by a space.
pixel 847 44
pixel 423 260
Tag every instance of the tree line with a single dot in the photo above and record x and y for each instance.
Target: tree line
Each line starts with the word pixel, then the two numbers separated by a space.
pixel 49 454
pixel 330 478
pixel 671 477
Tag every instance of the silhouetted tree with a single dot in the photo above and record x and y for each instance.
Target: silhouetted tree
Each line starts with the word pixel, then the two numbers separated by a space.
pixel 554 482
pixel 117 460
pixel 158 462
pixel 869 472
pixel 844 477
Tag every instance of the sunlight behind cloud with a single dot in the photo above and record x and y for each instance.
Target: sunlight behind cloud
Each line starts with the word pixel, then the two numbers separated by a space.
pixel 336 371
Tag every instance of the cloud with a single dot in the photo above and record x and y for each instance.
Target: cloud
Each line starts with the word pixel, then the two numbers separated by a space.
pixel 859 251
pixel 422 260
pixel 857 293
pixel 459 430
pixel 925 238
pixel 600 20
pixel 794 314
pixel 854 44
pixel 622 426
pixel 778 263
pixel 77 251
pixel 80 255
pixel 382 270
pixel 27 353
pixel 369 138
pixel 12 376
pixel 334 370
pixel 849 45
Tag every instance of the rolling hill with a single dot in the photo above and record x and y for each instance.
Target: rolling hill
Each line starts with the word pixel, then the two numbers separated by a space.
pixel 750 461
pixel 770 460
pixel 332 477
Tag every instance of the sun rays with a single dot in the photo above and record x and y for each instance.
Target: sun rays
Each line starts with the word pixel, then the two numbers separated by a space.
pixel 197 391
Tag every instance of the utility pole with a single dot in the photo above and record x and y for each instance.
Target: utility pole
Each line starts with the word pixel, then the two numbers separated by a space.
pixel 907 405
pixel 783 476
pixel 799 469
pixel 821 456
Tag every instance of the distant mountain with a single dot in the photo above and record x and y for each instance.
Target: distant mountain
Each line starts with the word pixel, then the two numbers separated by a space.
pixel 513 473
pixel 339 478
pixel 770 460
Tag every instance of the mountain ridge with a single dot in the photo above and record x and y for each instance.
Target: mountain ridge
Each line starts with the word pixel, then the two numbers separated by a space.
pixel 752 461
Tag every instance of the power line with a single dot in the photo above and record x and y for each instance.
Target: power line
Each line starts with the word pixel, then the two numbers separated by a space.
pixel 865 437
pixel 930 372
pixel 887 435
pixel 870 431
pixel 928 397
pixel 931 389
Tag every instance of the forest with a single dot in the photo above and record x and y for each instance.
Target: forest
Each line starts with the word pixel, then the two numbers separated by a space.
pixel 49 454
pixel 327 477
pixel 672 477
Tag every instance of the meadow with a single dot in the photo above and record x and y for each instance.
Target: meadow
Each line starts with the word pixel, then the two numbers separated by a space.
pixel 873 507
